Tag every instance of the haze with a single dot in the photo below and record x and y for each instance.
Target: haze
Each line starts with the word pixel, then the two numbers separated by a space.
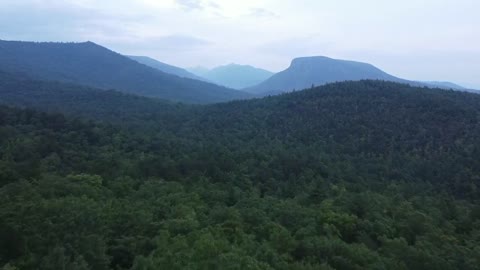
pixel 414 39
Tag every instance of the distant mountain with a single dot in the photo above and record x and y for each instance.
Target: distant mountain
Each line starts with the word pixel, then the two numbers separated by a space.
pixel 446 85
pixel 237 76
pixel 307 71
pixel 180 72
pixel 93 65
pixel 319 70
pixel 198 70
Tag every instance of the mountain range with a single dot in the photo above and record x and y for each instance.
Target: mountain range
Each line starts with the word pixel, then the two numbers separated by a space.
pixel 365 174
pixel 446 85
pixel 306 72
pixel 233 75
pixel 198 70
pixel 93 65
pixel 180 72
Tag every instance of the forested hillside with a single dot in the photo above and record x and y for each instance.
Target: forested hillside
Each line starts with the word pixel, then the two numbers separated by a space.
pixel 357 175
pixel 95 66
pixel 89 103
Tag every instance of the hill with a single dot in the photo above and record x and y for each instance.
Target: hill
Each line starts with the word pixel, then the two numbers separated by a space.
pixel 307 71
pixel 352 175
pixel 198 70
pixel 180 72
pixel 446 85
pixel 236 76
pixel 88 103
pixel 319 70
pixel 92 65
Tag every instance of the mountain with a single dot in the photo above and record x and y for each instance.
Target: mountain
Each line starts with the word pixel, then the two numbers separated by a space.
pixel 237 76
pixel 446 85
pixel 351 175
pixel 93 65
pixel 180 72
pixel 198 70
pixel 319 70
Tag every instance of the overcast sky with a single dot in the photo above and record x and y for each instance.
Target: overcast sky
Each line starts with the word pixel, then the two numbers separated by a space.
pixel 413 39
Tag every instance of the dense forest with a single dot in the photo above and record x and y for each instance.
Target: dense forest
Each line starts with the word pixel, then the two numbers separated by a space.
pixel 89 103
pixel 353 175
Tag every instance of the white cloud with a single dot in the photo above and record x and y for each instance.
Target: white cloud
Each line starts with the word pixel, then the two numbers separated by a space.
pixel 261 12
pixel 190 4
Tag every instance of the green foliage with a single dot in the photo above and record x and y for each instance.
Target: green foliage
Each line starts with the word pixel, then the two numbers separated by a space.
pixel 359 175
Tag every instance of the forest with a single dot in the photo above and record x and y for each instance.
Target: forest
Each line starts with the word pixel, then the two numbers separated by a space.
pixel 351 175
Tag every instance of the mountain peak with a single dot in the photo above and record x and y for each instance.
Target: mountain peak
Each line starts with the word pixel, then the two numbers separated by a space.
pixel 180 72
pixel 89 43
pixel 310 59
pixel 319 70
pixel 236 67
pixel 316 60
pixel 304 72
pixel 93 65
pixel 236 76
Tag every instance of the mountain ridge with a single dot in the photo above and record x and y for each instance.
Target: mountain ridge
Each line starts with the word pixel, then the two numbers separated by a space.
pixel 167 68
pixel 89 64
pixel 304 72
pixel 235 76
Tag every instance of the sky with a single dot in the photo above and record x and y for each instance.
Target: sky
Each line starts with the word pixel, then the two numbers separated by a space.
pixel 436 40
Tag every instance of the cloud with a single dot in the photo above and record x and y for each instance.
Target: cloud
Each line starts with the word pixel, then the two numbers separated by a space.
pixel 262 13
pixel 60 21
pixel 308 45
pixel 171 44
pixel 37 20
pixel 206 7
pixel 213 5
pixel 179 42
pixel 190 5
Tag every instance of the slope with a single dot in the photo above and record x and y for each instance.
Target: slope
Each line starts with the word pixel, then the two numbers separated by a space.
pixel 307 71
pixel 198 70
pixel 446 85
pixel 237 76
pixel 180 72
pixel 92 65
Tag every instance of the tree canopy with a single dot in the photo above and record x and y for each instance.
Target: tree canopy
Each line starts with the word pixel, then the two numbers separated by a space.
pixel 354 175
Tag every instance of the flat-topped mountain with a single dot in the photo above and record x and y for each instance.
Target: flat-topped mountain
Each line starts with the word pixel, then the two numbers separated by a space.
pixel 319 70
